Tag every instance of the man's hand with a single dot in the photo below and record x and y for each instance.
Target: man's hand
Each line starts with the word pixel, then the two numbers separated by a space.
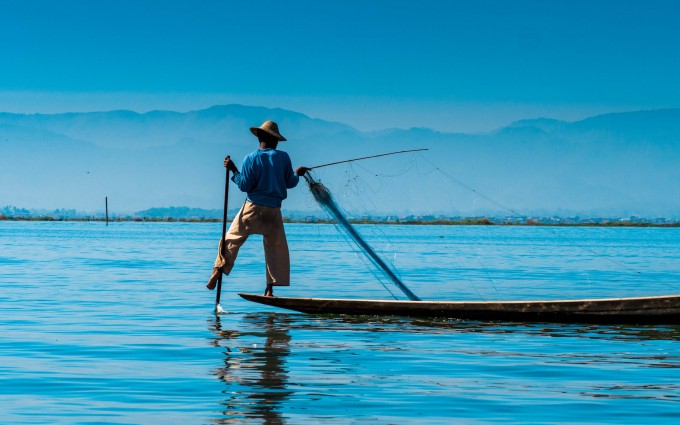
pixel 229 165
pixel 300 171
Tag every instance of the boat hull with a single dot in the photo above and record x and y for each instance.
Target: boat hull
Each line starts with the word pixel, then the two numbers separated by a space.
pixel 640 310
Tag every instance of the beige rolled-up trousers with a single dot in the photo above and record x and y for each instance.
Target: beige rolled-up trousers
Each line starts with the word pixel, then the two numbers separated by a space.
pixel 260 220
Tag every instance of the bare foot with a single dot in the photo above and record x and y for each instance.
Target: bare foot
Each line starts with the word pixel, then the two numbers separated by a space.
pixel 212 282
pixel 269 292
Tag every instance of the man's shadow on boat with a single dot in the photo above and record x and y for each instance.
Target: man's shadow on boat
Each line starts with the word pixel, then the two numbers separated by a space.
pixel 255 369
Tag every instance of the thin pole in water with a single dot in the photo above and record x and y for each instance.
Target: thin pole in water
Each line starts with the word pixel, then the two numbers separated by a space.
pixel 106 201
pixel 218 308
pixel 367 157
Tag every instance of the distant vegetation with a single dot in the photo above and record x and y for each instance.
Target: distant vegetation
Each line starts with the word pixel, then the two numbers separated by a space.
pixel 197 215
pixel 180 213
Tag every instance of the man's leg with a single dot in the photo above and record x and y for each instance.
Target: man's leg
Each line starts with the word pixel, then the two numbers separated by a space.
pixel 235 237
pixel 276 254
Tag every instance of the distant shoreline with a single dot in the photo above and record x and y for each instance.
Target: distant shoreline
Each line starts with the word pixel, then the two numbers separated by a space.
pixel 463 222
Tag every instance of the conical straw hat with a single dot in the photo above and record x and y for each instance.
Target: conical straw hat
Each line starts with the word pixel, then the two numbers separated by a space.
pixel 269 127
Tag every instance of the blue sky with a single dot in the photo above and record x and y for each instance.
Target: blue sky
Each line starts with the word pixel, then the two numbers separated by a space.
pixel 449 65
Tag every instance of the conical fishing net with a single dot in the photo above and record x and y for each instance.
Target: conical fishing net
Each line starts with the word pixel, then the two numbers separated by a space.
pixel 324 197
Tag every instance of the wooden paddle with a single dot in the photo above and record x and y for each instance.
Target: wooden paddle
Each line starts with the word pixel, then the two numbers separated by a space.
pixel 218 308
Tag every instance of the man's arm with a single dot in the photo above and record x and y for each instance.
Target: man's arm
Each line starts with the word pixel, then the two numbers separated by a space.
pixel 293 177
pixel 241 179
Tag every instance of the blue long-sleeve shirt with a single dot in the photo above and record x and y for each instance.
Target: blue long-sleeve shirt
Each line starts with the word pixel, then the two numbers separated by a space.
pixel 265 176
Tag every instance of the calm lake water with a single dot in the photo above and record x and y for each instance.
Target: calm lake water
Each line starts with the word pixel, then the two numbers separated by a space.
pixel 114 325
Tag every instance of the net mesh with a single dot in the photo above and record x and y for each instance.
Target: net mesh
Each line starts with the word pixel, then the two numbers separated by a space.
pixel 325 199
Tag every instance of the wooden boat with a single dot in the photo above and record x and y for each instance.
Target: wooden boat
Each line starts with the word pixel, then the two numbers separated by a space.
pixel 640 310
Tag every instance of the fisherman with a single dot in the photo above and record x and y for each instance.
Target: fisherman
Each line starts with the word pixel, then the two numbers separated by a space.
pixel 265 176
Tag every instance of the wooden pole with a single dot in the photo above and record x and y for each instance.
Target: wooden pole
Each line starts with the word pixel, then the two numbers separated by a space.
pixel 106 200
pixel 224 232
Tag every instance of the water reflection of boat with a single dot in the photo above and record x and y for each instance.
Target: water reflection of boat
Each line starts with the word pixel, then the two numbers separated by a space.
pixel 427 325
pixel 255 373
pixel 639 310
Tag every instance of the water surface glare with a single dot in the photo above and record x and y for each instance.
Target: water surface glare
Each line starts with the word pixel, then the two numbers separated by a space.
pixel 114 325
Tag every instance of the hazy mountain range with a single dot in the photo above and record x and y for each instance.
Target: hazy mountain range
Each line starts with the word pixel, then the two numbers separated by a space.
pixel 613 164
